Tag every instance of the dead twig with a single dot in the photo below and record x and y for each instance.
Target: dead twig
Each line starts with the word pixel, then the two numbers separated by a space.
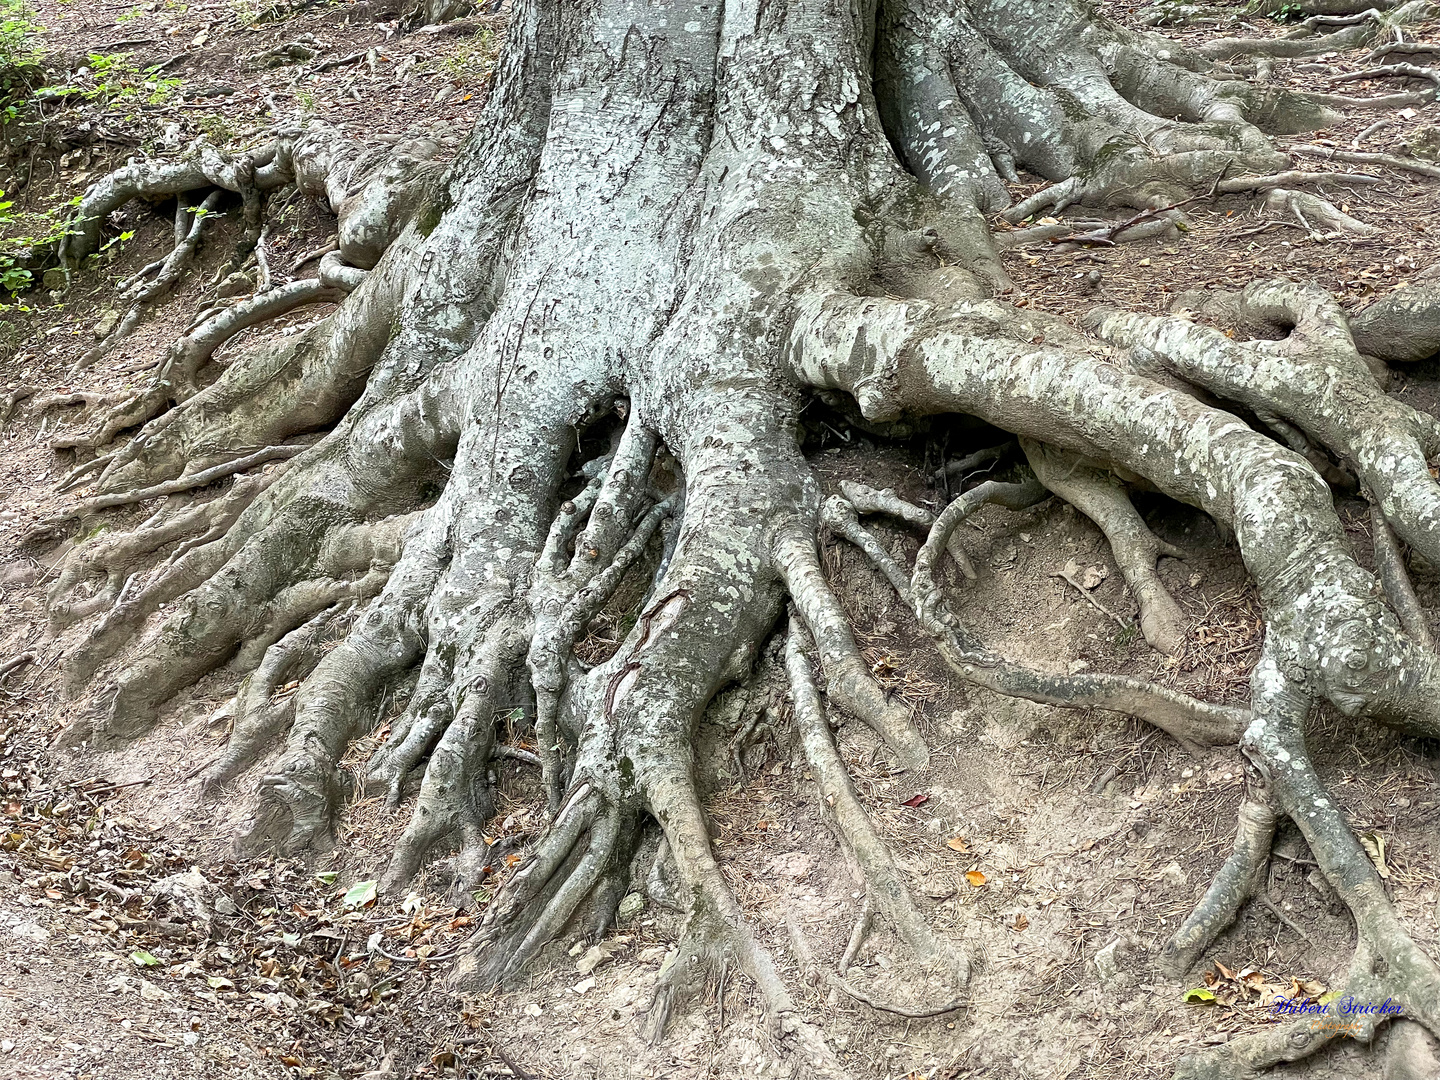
pixel 1067 576
pixel 899 1010
pixel 1358 158
pixel 16 662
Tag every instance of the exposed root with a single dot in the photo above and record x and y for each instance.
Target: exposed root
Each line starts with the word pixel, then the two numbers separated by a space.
pixel 264 706
pixel 1361 22
pixel 674 252
pixel 868 500
pixel 909 1012
pixel 1313 377
pixel 1403 327
pixel 12 399
pixel 848 678
pixel 187 356
pixel 186 482
pixel 1240 878
pixel 15 663
pixel 1292 178
pixel 1356 157
pixel 872 858
pixel 567 594
pixel 1193 723
pixel 1387 965
pixel 1189 451
pixel 1099 495
pixel 120 555
pixel 1390 567
pixel 167 273
pixel 1313 212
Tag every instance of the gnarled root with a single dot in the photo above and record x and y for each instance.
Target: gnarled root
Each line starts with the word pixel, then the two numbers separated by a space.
pixel 264 706
pixel 1099 495
pixel 1242 876
pixel 1404 326
pixel 1312 377
pixel 857 834
pixel 1388 966
pixel 1193 723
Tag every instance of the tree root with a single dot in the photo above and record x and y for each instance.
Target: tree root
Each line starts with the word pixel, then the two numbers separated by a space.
pixel 1387 965
pixel 1390 567
pixel 1312 211
pixel 877 869
pixel 1313 377
pixel 263 707
pixel 1356 157
pixel 1192 723
pixel 167 273
pixel 868 500
pixel 12 399
pixel 1403 327
pixel 1242 877
pixel 509 307
pixel 1099 495
pixel 848 678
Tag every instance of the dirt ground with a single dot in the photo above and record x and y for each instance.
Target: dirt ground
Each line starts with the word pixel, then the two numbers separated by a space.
pixel 1060 847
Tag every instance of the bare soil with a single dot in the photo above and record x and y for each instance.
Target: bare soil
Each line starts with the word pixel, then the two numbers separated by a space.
pixel 130 941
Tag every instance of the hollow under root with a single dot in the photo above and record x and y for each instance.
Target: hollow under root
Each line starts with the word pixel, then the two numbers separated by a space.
pixel 1098 494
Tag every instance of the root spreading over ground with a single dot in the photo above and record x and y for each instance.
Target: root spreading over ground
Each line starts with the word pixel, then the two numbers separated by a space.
pixel 576 356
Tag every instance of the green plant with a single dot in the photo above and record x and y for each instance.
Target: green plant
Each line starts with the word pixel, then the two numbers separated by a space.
pixel 116 77
pixel 473 59
pixel 216 128
pixel 19 34
pixel 1287 12
pixel 20 54
pixel 28 241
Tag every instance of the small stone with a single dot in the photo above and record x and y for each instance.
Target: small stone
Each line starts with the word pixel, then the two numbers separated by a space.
pixel 192 1038
pixel 1173 875
pixel 584 986
pixel 533 1010
pixel 597 955
pixel 630 907
pixel 19 573
pixel 236 284
pixel 109 319
pixel 1107 963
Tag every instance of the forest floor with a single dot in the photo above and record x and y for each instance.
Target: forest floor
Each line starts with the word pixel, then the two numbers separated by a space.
pixel 1061 846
